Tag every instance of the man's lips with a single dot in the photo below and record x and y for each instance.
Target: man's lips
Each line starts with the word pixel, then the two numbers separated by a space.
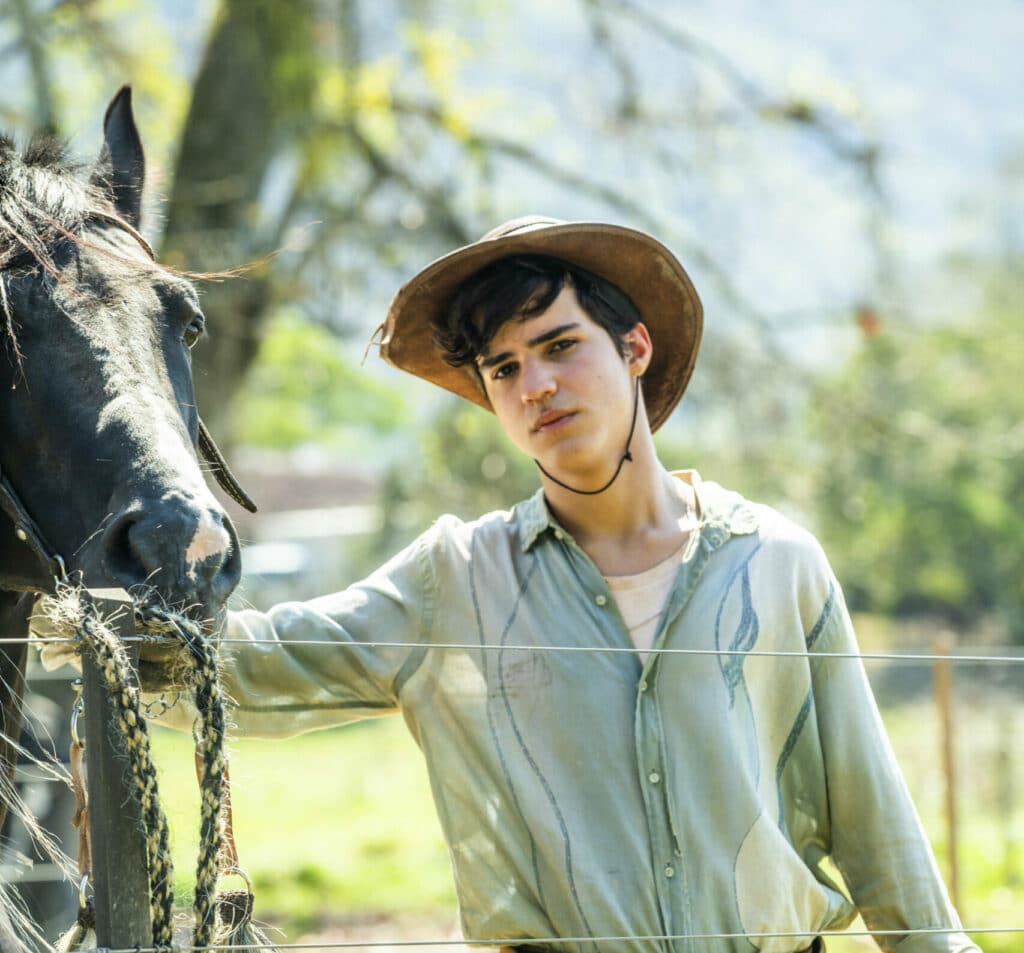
pixel 552 420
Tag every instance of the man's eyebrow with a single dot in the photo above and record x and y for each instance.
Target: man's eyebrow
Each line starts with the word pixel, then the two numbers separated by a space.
pixel 485 362
pixel 542 338
pixel 552 334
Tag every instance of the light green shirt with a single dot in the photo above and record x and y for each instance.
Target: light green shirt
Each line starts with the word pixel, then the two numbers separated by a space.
pixel 714 790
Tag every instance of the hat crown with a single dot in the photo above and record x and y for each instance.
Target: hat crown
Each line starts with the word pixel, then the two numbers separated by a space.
pixel 518 226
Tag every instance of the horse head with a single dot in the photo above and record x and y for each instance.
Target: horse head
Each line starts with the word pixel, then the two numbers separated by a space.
pixel 97 408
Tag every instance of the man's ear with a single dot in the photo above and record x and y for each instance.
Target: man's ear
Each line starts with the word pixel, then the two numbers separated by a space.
pixel 639 348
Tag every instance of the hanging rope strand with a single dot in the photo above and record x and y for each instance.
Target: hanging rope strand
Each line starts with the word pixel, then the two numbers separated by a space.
pixel 211 765
pixel 112 661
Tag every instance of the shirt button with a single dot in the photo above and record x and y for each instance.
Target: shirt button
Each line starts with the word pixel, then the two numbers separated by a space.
pixel 670 871
pixel 643 685
pixel 559 534
pixel 654 777
pixel 601 599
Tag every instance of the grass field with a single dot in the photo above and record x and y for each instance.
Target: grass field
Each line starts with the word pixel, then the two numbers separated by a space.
pixel 337 827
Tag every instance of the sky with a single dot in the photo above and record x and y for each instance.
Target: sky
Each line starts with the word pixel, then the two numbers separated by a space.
pixel 943 83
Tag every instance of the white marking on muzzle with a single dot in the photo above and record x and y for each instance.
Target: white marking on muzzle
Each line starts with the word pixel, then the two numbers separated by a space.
pixel 210 539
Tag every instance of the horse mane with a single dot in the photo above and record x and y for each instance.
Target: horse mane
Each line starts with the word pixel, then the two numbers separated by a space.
pixel 44 196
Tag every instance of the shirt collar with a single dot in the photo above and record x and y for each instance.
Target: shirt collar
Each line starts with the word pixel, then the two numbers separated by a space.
pixel 723 513
pixel 533 517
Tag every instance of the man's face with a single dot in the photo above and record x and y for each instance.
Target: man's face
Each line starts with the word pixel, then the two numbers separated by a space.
pixel 562 391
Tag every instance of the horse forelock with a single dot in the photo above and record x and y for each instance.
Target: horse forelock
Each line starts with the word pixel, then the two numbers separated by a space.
pixel 44 197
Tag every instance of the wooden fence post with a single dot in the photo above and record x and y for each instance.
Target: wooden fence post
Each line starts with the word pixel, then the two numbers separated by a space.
pixel 944 698
pixel 120 876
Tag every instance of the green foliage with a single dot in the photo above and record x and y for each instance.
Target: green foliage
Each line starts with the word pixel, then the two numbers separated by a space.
pixel 920 481
pixel 303 388
pixel 464 465
pixel 81 53
pixel 330 823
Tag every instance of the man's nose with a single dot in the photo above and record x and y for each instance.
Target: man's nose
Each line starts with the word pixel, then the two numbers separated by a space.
pixel 537 382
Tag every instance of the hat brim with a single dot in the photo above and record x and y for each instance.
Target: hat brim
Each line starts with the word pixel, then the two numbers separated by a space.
pixel 638 264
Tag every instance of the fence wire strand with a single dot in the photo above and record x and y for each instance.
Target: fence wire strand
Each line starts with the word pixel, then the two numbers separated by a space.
pixel 595 649
pixel 552 941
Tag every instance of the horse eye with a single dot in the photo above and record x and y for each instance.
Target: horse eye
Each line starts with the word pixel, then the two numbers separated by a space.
pixel 194 331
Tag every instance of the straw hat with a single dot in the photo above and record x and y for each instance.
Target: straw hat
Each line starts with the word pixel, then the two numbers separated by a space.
pixel 639 265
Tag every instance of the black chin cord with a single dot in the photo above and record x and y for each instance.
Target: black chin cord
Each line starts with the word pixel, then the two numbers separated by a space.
pixel 625 456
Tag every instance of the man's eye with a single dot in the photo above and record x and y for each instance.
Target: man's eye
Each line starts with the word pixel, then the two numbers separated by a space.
pixel 504 371
pixel 562 344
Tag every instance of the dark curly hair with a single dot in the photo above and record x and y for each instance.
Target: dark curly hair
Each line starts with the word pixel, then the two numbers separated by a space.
pixel 518 288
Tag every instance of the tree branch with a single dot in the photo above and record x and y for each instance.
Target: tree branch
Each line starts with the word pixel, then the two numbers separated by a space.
pixel 570 178
pixel 749 94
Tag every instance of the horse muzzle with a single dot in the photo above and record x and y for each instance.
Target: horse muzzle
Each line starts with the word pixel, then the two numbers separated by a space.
pixel 179 551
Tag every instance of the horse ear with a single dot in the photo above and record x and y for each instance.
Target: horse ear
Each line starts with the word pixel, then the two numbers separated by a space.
pixel 121 167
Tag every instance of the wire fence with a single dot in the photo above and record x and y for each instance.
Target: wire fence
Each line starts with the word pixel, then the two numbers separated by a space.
pixel 921 662
pixel 996 655
pixel 555 941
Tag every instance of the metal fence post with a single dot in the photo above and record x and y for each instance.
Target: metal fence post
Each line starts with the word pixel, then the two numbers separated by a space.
pixel 119 861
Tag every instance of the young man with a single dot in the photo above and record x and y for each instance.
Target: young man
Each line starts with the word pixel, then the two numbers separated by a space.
pixel 637 694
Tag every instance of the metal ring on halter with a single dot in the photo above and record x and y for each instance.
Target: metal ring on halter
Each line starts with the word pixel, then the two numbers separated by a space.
pixel 234 869
pixel 83 900
pixel 77 712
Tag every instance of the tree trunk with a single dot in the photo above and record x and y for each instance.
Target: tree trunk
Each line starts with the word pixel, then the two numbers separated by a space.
pixel 250 85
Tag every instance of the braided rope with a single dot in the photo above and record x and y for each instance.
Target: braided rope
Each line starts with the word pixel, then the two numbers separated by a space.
pixel 210 751
pixel 112 661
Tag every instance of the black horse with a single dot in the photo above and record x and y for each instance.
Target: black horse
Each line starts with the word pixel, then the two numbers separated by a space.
pixel 99 478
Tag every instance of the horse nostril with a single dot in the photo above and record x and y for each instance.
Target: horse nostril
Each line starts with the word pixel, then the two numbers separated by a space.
pixel 124 563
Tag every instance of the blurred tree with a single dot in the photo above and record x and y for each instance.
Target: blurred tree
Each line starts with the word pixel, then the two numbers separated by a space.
pixel 404 127
pixel 362 117
pixel 462 464
pixel 304 390
pixel 251 94
pixel 919 483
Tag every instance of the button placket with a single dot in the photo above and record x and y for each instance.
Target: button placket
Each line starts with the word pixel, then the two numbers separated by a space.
pixel 655 796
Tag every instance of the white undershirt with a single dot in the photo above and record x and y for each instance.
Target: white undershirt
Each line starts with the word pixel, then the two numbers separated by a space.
pixel 642 596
